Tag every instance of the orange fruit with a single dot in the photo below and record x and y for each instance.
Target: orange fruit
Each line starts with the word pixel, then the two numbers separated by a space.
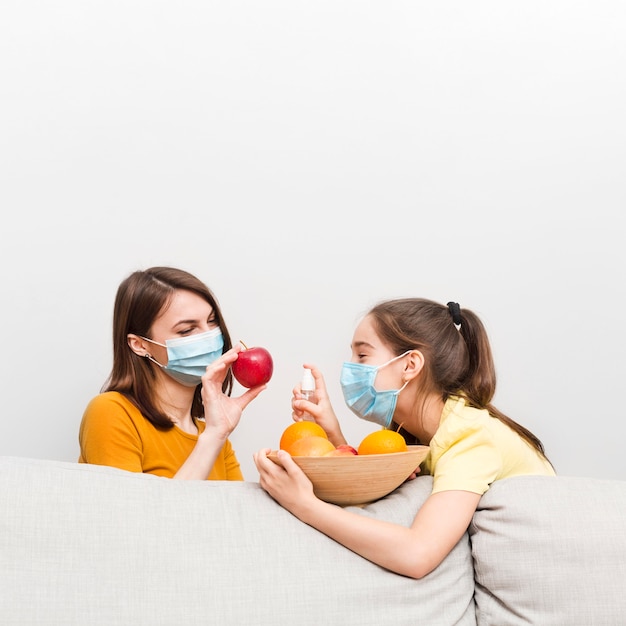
pixel 298 430
pixel 313 445
pixel 382 442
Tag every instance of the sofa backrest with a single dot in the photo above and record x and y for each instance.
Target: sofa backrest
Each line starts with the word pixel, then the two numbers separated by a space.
pixel 92 546
pixel 551 551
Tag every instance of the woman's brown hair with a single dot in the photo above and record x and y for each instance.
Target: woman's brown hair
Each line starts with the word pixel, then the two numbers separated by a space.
pixel 458 357
pixel 139 301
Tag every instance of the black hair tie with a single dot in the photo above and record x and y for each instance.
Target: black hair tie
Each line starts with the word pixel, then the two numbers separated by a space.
pixel 455 312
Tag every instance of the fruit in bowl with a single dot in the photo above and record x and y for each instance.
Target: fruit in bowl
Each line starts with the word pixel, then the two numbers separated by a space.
pixel 299 430
pixel 313 445
pixel 344 475
pixel 382 442
pixel 254 366
pixel 342 450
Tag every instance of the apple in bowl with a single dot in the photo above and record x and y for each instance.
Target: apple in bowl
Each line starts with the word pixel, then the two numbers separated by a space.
pixel 342 450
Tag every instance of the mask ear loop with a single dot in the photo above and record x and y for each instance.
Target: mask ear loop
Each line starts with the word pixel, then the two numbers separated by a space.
pixel 148 356
pixel 398 357
pixel 153 341
pixel 403 386
pixel 395 358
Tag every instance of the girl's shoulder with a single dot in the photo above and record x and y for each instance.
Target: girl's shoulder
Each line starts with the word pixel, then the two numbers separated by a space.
pixel 459 414
pixel 461 422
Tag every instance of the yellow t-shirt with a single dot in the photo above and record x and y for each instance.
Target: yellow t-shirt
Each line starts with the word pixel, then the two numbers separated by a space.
pixel 113 432
pixel 471 449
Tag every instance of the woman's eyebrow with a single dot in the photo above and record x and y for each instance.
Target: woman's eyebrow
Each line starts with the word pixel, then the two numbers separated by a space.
pixel 185 322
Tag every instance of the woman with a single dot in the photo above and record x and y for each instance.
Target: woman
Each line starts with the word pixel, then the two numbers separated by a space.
pixel 427 368
pixel 166 407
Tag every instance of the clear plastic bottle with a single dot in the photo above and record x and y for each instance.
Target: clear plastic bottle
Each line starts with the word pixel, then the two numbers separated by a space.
pixel 307 390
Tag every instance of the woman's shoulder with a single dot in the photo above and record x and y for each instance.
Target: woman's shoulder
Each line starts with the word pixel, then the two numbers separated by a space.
pixel 109 405
pixel 112 412
pixel 109 396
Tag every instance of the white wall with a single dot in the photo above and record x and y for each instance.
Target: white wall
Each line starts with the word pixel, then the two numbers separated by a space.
pixel 307 159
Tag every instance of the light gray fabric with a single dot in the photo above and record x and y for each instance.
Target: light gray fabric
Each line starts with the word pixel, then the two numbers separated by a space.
pixel 551 551
pixel 90 546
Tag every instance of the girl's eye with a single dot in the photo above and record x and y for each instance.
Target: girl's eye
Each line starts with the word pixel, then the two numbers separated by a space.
pixel 185 332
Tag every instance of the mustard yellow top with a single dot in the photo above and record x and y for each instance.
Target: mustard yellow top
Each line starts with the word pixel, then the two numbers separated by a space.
pixel 113 432
pixel 471 449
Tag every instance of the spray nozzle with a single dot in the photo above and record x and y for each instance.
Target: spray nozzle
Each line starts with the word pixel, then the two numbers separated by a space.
pixel 308 382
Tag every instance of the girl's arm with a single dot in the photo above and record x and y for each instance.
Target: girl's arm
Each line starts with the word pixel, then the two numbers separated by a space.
pixel 413 552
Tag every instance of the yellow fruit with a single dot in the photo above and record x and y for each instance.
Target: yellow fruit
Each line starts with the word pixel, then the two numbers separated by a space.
pixel 382 442
pixel 313 445
pixel 298 430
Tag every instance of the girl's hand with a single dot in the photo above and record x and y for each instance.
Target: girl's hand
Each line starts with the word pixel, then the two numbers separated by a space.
pixel 221 412
pixel 286 483
pixel 415 473
pixel 322 411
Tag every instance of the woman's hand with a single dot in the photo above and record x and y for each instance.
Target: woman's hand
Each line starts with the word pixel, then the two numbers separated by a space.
pixel 221 412
pixel 322 411
pixel 286 483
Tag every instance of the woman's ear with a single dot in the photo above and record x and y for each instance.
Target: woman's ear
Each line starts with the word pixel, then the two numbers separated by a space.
pixel 414 365
pixel 137 345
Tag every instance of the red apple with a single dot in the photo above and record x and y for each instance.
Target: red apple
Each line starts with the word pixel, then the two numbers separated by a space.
pixel 254 366
pixel 342 450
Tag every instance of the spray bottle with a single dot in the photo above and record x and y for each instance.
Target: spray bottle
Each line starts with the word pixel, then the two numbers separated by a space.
pixel 307 390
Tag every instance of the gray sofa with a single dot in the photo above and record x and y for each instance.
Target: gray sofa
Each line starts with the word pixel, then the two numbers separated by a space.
pixel 87 545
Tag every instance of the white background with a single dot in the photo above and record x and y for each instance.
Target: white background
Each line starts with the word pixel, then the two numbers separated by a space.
pixel 307 159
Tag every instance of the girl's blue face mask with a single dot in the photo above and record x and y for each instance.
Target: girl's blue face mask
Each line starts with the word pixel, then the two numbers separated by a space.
pixel 188 357
pixel 357 384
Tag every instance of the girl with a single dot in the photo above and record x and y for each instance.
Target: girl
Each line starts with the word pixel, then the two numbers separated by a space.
pixel 166 407
pixel 429 368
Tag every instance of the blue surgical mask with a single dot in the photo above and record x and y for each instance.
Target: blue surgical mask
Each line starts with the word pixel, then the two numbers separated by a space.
pixel 188 357
pixel 357 384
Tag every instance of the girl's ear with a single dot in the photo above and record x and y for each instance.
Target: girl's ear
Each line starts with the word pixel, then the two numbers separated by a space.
pixel 414 365
pixel 137 345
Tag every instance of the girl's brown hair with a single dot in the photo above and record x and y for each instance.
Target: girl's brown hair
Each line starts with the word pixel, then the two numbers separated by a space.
pixel 139 301
pixel 458 358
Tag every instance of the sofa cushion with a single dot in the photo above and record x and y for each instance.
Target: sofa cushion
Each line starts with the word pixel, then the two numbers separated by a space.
pixel 551 551
pixel 88 545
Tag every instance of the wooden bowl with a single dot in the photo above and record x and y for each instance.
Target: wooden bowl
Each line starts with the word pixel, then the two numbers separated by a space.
pixel 360 478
